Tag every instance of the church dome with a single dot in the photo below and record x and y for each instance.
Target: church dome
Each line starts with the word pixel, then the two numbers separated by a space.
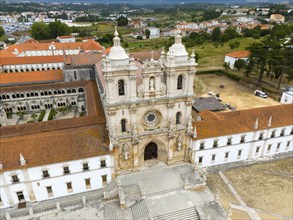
pixel 178 49
pixel 117 52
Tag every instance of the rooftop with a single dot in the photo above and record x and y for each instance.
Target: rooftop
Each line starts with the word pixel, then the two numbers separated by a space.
pixel 228 123
pixel 239 54
pixel 207 103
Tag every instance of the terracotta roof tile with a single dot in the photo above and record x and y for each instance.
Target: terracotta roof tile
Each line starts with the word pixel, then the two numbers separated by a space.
pixel 31 77
pixel 228 123
pixel 54 146
pixel 31 60
pixel 239 54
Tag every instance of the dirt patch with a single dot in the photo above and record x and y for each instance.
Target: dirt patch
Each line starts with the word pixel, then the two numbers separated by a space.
pixel 266 186
pixel 232 92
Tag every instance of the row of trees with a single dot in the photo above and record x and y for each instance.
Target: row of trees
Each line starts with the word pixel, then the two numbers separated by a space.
pixel 42 31
pixel 272 57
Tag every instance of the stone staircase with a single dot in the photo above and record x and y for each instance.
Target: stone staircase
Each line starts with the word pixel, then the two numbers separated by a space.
pixel 186 214
pixel 164 191
pixel 110 212
pixel 140 210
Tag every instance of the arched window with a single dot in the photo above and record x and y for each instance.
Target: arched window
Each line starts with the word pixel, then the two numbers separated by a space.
pixel 123 125
pixel 121 87
pixel 178 118
pixel 80 90
pixel 179 82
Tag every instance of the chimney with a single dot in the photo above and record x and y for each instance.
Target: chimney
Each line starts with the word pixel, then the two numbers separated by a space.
pixel 22 160
pixel 270 121
pixel 255 126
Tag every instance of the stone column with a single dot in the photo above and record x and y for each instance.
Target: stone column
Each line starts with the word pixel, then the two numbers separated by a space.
pixel 133 93
pixel 190 82
pixel 135 156
pixel 110 89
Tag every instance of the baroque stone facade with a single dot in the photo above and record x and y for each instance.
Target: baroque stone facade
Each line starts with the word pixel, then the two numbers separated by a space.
pixel 148 105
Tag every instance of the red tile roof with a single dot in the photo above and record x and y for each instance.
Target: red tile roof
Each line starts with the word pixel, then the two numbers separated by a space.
pixel 31 60
pixel 30 77
pixel 239 54
pixel 228 123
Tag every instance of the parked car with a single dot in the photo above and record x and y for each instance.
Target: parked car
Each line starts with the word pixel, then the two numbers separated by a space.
pixel 260 94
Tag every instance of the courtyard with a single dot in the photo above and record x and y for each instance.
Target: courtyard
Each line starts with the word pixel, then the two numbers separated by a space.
pixel 232 92
pixel 26 117
pixel 265 187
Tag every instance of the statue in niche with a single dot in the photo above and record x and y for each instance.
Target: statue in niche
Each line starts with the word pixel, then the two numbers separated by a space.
pixel 135 139
pixel 125 152
pixel 179 142
pixel 152 84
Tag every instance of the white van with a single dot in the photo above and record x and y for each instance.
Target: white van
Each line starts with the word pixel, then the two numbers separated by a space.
pixel 260 94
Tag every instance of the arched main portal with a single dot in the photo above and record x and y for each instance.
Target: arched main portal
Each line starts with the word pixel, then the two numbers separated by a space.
pixel 151 151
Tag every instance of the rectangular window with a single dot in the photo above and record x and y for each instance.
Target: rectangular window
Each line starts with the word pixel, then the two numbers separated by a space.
pixel 288 144
pixel 215 143
pixel 103 163
pixel 87 183
pixel 85 166
pixel 104 179
pixel 229 141
pixel 257 150
pixel 260 136
pixel 269 147
pixel 15 179
pixel 213 157
pixel 69 187
pixel 239 153
pixel 226 155
pixel 242 140
pixel 282 132
pixel 200 160
pixel 273 134
pixel 49 191
pixel 66 170
pixel 278 147
pixel 46 174
pixel 201 146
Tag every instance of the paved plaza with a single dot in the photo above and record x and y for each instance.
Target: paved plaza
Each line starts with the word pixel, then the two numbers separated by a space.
pixel 155 192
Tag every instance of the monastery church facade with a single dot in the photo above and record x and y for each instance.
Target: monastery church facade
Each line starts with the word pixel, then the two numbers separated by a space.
pixel 148 106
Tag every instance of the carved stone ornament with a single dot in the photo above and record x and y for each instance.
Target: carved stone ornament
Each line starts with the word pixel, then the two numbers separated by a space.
pixel 151 118
pixel 125 152
pixel 179 142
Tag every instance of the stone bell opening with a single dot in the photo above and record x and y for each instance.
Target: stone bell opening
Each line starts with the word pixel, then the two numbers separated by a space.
pixel 151 151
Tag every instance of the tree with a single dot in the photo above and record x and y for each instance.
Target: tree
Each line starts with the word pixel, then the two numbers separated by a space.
pixel 34 116
pixel 20 114
pixel 147 33
pixel 122 21
pixel 216 34
pixel 239 64
pixel 58 28
pixel 2 31
pixel 226 65
pixel 40 31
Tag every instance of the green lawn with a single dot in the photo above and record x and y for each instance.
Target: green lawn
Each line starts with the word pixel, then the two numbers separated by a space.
pixel 211 55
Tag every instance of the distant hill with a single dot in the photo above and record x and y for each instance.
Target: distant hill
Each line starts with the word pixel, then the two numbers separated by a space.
pixel 156 2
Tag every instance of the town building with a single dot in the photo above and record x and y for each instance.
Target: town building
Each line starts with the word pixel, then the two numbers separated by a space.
pixel 287 96
pixel 277 18
pixel 154 32
pixel 66 39
pixel 232 57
